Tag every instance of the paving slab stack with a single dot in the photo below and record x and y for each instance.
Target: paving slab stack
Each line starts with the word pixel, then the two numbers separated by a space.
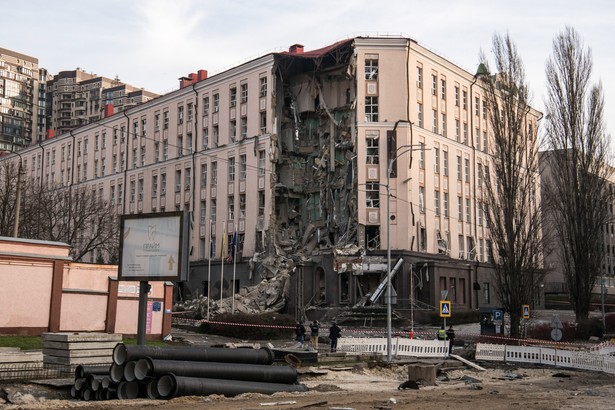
pixel 157 372
pixel 66 351
pixel 18 364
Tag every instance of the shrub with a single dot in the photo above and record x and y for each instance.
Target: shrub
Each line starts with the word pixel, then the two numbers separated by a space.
pixel 590 327
pixel 609 320
pixel 253 327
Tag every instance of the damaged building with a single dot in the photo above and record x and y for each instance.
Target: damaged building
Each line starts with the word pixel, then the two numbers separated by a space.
pixel 309 165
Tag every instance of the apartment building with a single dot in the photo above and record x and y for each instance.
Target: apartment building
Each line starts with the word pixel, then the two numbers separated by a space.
pixel 325 158
pixel 19 96
pixel 78 98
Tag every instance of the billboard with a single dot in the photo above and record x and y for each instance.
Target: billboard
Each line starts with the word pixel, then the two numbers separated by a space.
pixel 154 247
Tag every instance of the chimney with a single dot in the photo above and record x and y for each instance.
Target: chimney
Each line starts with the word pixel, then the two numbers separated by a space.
pixel 184 82
pixel 202 75
pixel 108 110
pixel 51 133
pixel 296 49
pixel 193 78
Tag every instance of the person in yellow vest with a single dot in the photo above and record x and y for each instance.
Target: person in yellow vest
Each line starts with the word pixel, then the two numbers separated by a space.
pixel 442 333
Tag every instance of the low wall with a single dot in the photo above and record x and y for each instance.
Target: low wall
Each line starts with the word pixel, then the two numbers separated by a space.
pixel 44 291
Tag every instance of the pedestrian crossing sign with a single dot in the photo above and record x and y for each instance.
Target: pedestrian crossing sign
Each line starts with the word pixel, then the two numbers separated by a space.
pixel 445 308
pixel 526 311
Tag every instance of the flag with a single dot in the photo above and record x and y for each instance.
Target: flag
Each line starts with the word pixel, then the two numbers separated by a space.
pixel 223 247
pixel 234 245
pixel 212 250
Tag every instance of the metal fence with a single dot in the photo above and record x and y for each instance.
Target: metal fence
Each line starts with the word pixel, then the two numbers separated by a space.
pixel 399 346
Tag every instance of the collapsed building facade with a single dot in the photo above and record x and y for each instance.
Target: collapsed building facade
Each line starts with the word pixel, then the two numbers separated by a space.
pixel 308 164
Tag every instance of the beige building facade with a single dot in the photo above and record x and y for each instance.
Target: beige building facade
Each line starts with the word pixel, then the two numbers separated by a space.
pixel 291 151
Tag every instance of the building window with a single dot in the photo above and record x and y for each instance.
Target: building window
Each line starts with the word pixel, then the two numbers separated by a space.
pixel 434 122
pixel 231 208
pixel 180 115
pixel 436 159
pixel 216 136
pixel 480 214
pixel 465 133
pixel 443 125
pixel 456 96
pixel 214 173
pixel 460 209
pixel 445 162
pixel 205 106
pixel 485 148
pixel 419 114
pixel 203 218
pixel 263 122
pixel 231 169
pixel 156 122
pixel 261 162
pixel 214 210
pixel 464 100
pixel 457 135
pixel 372 195
pixel 422 155
pixel 203 176
pixel 480 175
pixel 445 204
pixel 233 96
pixel 462 252
pixel 419 77
pixel 422 199
pixel 486 296
pixel 476 106
pixel 244 128
pixel 140 188
pixel 261 203
pixel 484 109
pixel 163 184
pixel 263 87
pixel 205 138
pixel 243 167
pixel 178 180
pixel 244 93
pixel 132 192
pixel 371 109
pixel 468 215
pixel 180 147
pixel 371 69
pixel 372 151
pixel 216 102
pixel 165 150
pixel 242 206
pixel 165 120
pixel 436 202
pixel 466 163
pixel 232 131
pixel 434 84
pixel 187 179
pixel 459 168
pixel 443 89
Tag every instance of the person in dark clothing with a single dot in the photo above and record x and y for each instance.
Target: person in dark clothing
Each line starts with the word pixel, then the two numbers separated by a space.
pixel 314 334
pixel 300 332
pixel 334 333
pixel 450 335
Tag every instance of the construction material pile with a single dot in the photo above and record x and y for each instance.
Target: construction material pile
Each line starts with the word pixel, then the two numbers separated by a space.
pixel 167 372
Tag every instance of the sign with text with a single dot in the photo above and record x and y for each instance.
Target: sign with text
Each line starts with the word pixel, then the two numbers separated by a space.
pixel 154 247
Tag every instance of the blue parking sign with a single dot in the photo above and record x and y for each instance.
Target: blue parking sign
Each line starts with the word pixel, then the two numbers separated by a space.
pixel 497 315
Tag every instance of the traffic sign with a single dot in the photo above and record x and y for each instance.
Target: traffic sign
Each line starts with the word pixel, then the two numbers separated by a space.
pixel 497 314
pixel 445 308
pixel 526 311
pixel 443 294
pixel 556 323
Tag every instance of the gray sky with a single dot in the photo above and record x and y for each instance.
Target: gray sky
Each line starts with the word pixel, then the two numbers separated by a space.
pixel 150 43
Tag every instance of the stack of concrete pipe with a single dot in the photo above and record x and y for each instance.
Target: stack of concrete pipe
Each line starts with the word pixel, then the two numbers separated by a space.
pixel 166 372
pixel 93 383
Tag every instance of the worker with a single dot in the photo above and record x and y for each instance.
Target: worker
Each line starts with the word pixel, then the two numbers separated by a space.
pixel 314 334
pixel 442 333
pixel 450 335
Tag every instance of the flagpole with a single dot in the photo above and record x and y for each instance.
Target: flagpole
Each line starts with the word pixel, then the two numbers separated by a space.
pixel 209 269
pixel 222 253
pixel 234 266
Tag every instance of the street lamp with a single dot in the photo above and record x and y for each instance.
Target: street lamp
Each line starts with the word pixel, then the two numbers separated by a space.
pixel 408 148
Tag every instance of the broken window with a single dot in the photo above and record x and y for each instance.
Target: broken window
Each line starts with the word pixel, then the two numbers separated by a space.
pixel 244 128
pixel 422 199
pixel 213 207
pixel 163 184
pixel 263 122
pixel 344 287
pixel 461 247
pixel 263 86
pixel 242 206
pixel 178 180
pixel 205 137
pixel 180 114
pixel 261 162
pixel 244 93
pixel 232 131
pixel 214 173
pixel 216 102
pixel 243 167
pixel 371 69
pixel 371 109
pixel 372 195
pixel 471 248
pixel 313 207
pixel 187 179
pixel 203 176
pixel 231 208
pixel 216 136
pixel 205 106
pixel 372 151
pixel 261 203
pixel 233 96
pixel 423 239
pixel 372 237
pixel 231 169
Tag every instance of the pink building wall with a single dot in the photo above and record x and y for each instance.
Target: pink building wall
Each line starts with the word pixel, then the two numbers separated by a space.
pixel 43 291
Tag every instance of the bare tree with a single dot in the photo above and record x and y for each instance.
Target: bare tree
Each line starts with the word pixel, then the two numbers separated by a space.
pixel 513 213
pixel 577 193
pixel 8 197
pixel 73 215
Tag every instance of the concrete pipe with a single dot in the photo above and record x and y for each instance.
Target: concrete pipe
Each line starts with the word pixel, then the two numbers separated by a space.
pixel 129 371
pixel 94 381
pixel 87 394
pixel 152 390
pixel 108 394
pixel 170 386
pixel 74 393
pixel 83 371
pixel 106 382
pixel 148 367
pixel 80 383
pixel 123 354
pixel 116 373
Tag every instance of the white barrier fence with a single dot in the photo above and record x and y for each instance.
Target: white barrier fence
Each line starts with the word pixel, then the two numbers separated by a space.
pixel 399 346
pixel 546 355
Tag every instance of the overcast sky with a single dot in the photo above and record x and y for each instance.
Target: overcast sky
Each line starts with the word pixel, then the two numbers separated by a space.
pixel 150 43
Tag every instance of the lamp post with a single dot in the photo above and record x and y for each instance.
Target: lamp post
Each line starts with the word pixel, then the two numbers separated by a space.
pixel 408 148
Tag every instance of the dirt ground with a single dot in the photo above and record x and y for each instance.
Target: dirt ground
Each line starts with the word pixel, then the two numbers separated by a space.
pixel 498 387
